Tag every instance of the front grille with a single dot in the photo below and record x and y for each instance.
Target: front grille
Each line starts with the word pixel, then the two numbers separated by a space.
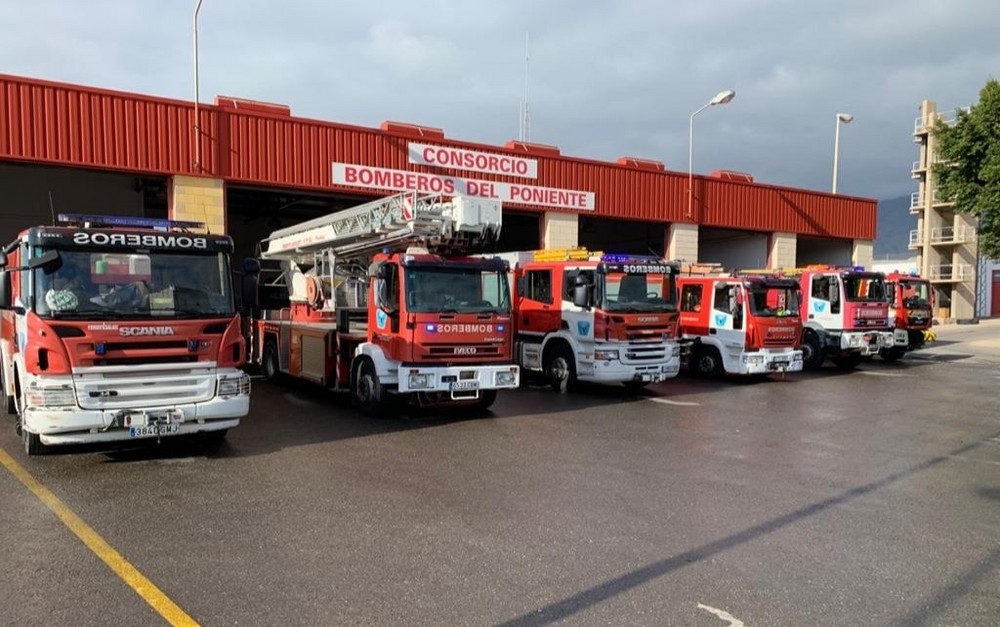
pixel 137 387
pixel 644 353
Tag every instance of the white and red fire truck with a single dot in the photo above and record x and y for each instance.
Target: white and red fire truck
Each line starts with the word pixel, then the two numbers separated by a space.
pixel 911 301
pixel 120 329
pixel 383 301
pixel 746 325
pixel 844 313
pixel 587 316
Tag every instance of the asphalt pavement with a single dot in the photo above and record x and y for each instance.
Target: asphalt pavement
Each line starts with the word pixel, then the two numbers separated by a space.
pixel 867 497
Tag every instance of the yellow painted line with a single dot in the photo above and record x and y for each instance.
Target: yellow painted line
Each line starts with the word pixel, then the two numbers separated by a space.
pixel 121 567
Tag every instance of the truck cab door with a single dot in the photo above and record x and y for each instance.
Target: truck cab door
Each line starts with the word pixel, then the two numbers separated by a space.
pixel 727 320
pixel 825 297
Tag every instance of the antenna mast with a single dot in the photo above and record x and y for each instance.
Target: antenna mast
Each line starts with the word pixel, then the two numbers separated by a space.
pixel 524 133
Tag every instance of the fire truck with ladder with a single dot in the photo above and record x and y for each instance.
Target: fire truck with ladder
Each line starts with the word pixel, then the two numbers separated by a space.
pixel 587 316
pixel 117 328
pixel 382 300
pixel 911 301
pixel 844 313
pixel 745 325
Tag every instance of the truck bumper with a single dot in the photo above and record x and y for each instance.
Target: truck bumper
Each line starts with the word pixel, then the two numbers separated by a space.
pixel 767 361
pixel 460 381
pixel 80 426
pixel 866 342
pixel 614 371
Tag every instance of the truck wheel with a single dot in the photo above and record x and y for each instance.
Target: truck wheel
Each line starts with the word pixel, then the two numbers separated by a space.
pixel 271 366
pixel 812 352
pixel 486 399
pixel 708 362
pixel 560 368
pixel 368 393
pixel 11 400
pixel 33 443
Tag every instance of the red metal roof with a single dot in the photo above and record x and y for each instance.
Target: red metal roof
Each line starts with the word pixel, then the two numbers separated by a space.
pixel 244 141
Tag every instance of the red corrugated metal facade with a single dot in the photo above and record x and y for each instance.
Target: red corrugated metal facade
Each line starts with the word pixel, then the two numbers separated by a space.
pixel 53 123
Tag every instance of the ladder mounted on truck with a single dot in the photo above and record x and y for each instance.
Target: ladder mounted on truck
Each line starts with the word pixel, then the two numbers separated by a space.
pixel 461 224
pixel 324 261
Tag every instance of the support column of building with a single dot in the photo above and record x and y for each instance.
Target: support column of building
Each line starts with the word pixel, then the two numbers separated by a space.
pixel 560 230
pixel 863 253
pixel 198 199
pixel 782 250
pixel 682 242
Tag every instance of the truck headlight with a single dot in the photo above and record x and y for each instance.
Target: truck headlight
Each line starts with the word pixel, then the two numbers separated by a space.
pixel 56 396
pixel 419 381
pixel 754 359
pixel 506 378
pixel 606 355
pixel 234 386
pixel 675 350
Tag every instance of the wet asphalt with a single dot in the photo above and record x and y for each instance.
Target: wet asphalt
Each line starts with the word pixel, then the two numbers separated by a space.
pixel 869 497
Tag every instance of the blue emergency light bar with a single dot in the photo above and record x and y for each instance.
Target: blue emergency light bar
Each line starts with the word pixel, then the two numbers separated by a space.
pixel 630 258
pixel 88 220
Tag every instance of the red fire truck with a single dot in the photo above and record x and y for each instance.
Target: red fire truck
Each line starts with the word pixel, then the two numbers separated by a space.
pixel 587 316
pixel 911 301
pixel 747 325
pixel 844 313
pixel 120 329
pixel 381 300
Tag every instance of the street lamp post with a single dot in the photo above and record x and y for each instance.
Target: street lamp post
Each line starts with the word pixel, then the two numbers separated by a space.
pixel 197 126
pixel 842 118
pixel 720 98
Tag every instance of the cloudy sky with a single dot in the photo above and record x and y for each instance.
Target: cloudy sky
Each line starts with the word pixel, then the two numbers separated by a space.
pixel 606 79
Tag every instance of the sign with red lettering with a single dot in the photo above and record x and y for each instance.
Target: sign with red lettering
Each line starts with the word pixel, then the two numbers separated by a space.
pixel 401 180
pixel 462 159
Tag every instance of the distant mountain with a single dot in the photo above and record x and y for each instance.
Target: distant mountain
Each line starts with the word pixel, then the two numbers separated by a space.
pixel 893 227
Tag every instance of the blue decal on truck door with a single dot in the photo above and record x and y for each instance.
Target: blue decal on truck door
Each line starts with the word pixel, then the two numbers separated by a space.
pixel 583 328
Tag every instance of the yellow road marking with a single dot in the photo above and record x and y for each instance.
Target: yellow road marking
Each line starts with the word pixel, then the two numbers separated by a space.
pixel 121 567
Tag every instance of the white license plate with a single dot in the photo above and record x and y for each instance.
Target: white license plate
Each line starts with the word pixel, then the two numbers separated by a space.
pixel 154 430
pixel 465 385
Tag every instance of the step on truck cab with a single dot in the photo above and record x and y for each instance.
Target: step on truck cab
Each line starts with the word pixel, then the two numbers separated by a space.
pixel 584 316
pixel 844 312
pixel 117 328
pixel 744 325
pixel 911 303
pixel 384 301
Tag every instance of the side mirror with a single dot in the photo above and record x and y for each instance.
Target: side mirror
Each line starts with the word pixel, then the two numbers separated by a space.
pixel 581 296
pixel 251 265
pixel 49 261
pixel 4 290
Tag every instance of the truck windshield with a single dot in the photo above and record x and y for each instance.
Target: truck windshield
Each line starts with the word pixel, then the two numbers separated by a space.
pixel 637 292
pixel 457 290
pixel 864 288
pixel 915 293
pixel 772 301
pixel 107 285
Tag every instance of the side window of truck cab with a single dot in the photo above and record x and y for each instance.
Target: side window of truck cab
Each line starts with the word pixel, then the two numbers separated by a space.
pixel 691 298
pixel 538 286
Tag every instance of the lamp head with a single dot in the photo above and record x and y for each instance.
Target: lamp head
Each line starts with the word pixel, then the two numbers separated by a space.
pixel 846 118
pixel 722 97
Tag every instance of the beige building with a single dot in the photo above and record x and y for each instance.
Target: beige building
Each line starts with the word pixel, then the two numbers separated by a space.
pixel 944 240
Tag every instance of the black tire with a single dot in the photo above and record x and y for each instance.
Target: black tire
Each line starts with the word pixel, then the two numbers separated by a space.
pixel 707 362
pixel 368 393
pixel 847 362
pixel 560 368
pixel 486 399
pixel 270 364
pixel 33 443
pixel 11 403
pixel 812 352
pixel 11 406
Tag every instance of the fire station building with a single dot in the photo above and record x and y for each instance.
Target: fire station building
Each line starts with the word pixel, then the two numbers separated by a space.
pixel 247 168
